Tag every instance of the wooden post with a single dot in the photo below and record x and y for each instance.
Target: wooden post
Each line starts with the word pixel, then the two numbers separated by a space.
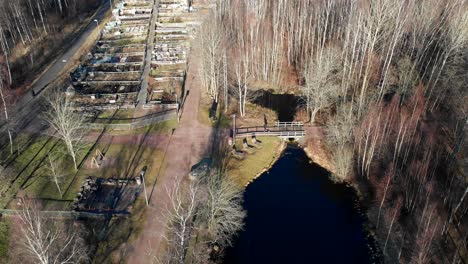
pixel 142 174
pixel 234 128
pixel 177 109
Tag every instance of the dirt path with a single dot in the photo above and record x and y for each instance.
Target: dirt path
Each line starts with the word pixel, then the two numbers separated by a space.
pixel 188 145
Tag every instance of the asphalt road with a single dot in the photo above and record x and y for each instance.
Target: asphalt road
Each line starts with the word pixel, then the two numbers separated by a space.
pixel 53 72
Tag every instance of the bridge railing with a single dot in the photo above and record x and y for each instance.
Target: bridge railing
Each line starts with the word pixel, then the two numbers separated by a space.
pixel 284 134
pixel 292 134
pixel 281 129
pixel 277 128
pixel 288 124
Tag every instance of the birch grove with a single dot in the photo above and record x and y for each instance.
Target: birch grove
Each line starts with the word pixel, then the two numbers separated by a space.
pixel 28 27
pixel 388 81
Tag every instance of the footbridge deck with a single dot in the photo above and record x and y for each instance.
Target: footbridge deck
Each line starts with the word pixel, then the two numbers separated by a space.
pixel 279 129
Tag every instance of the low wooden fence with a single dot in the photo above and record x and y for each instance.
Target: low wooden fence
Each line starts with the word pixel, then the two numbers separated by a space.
pixel 133 123
pixel 66 214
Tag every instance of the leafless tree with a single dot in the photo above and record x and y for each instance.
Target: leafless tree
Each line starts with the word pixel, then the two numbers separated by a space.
pixel 392 217
pixel 4 103
pixel 223 211
pixel 241 77
pixel 343 162
pixel 211 41
pixel 49 242
pixel 428 232
pixel 55 171
pixel 385 189
pixel 180 212
pixel 68 123
pixel 321 88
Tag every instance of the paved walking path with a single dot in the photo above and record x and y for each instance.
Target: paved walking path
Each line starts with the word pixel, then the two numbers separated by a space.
pixel 188 144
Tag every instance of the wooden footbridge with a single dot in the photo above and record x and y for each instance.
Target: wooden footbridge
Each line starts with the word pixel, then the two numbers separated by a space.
pixel 284 130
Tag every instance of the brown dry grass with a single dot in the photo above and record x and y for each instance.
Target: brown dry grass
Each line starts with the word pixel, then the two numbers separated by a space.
pixel 252 165
pixel 254 115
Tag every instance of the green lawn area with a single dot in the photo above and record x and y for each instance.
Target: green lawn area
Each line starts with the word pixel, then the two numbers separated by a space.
pixel 127 160
pixel 223 121
pixel 204 115
pixel 121 113
pixel 4 240
pixel 119 116
pixel 118 232
pixel 32 173
pixel 245 170
pixel 164 127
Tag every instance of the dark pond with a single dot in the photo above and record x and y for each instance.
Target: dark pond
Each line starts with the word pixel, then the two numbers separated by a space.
pixel 297 215
pixel 284 104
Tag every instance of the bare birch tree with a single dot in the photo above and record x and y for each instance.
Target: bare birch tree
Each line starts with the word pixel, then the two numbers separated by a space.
pixel 68 124
pixel 321 88
pixel 241 77
pixel 211 42
pixel 48 242
pixel 180 212
pixel 55 171
pixel 4 103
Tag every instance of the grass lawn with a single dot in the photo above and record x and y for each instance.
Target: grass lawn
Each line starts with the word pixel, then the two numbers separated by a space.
pixel 245 170
pixel 117 233
pixel 127 160
pixel 124 160
pixel 32 174
pixel 4 240
pixel 164 127
pixel 223 121
pixel 204 115
pixel 121 113
pixel 124 42
pixel 31 177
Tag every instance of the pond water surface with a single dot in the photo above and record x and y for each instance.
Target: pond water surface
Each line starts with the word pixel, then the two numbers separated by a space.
pixel 296 214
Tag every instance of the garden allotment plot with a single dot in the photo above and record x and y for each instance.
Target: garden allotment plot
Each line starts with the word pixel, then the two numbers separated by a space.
pixel 110 75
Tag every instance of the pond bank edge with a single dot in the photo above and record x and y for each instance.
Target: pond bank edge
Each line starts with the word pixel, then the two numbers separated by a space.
pixel 278 153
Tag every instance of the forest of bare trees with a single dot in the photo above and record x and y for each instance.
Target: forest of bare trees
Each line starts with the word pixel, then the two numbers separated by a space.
pixel 389 78
pixel 31 30
pixel 385 80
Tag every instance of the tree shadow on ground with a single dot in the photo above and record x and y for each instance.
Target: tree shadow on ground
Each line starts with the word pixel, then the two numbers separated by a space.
pixel 111 234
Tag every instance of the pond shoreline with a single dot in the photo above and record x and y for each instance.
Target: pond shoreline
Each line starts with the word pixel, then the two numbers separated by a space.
pixel 317 159
pixel 278 154
pixel 312 193
pixel 324 163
